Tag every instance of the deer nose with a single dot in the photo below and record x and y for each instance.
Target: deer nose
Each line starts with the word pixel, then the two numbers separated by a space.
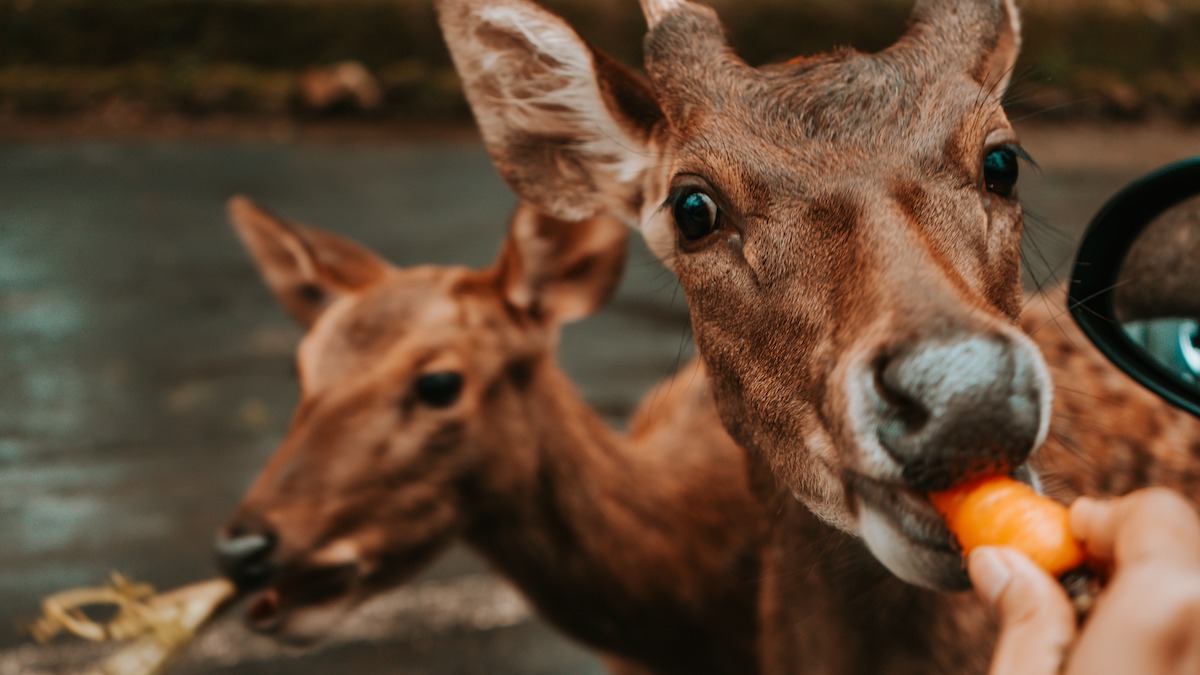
pixel 950 410
pixel 244 555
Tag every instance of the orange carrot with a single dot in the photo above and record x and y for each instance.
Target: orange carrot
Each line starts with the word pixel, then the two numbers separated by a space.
pixel 1000 511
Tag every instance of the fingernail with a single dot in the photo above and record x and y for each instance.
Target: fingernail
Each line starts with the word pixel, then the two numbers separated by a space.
pixel 990 572
pixel 1083 505
pixel 1081 511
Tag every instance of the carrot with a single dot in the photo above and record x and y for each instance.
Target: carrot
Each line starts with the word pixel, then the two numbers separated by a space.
pixel 1000 511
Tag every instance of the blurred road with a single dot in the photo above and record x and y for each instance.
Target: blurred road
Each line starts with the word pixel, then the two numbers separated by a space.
pixel 145 372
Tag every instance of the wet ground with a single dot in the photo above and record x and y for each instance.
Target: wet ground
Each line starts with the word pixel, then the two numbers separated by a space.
pixel 145 372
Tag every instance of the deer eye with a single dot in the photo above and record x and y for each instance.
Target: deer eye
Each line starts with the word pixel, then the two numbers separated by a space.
pixel 696 215
pixel 439 390
pixel 1000 171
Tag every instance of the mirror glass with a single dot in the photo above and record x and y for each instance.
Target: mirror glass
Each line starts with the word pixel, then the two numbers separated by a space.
pixel 1157 294
pixel 1135 284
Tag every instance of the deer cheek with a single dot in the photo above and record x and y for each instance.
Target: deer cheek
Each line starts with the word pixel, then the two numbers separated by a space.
pixel 1004 289
pixel 718 283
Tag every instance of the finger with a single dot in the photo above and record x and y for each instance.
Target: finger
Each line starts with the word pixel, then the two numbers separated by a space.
pixel 1145 622
pixel 1037 623
pixel 1148 524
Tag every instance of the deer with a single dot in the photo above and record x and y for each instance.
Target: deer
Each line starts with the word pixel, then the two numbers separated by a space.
pixel 846 229
pixel 432 410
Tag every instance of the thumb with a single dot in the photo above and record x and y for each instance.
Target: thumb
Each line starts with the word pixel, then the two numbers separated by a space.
pixel 1037 622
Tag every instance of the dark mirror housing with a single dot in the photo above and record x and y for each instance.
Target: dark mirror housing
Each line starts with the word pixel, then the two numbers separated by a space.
pixel 1135 285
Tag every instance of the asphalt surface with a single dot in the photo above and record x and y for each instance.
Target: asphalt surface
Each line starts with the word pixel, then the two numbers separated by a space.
pixel 145 373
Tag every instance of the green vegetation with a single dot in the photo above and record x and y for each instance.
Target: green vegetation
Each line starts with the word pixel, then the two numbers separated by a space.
pixel 1097 58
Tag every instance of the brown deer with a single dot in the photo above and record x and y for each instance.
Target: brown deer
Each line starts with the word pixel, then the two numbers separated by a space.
pixel 846 229
pixel 432 409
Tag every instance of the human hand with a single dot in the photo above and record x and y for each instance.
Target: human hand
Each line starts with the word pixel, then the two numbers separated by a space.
pixel 1147 619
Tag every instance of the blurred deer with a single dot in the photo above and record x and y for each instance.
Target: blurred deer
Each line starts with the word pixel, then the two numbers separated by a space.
pixel 846 228
pixel 432 409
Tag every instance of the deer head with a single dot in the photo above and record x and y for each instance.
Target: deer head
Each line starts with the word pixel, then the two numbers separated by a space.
pixel 845 226
pixel 408 378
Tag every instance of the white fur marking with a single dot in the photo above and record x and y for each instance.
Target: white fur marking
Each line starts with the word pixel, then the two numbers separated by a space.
pixel 563 99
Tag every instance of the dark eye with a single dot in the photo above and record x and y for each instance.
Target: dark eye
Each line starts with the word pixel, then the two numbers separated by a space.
pixel 1000 171
pixel 695 215
pixel 439 390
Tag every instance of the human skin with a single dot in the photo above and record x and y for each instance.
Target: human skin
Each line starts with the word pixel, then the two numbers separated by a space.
pixel 1147 619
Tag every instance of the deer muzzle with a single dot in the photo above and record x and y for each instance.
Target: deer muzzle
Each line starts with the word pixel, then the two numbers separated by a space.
pixel 244 555
pixel 951 409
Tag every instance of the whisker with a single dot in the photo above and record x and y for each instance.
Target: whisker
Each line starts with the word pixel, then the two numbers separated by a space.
pixel 1044 111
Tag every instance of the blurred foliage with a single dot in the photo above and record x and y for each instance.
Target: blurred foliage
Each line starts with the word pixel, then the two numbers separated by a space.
pixel 1081 57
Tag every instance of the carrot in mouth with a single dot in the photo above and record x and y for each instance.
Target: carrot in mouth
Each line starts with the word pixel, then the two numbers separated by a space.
pixel 1001 511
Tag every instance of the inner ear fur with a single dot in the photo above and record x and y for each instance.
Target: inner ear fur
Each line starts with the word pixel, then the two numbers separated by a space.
pixel 305 268
pixel 557 271
pixel 568 128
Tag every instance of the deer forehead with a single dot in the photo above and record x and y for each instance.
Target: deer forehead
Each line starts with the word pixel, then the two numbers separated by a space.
pixel 410 312
pixel 416 321
pixel 848 111
pixel 693 71
pixel 774 143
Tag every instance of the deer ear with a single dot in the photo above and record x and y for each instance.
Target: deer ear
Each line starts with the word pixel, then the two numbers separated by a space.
pixel 557 271
pixel 999 54
pixel 306 269
pixel 567 127
pixel 982 35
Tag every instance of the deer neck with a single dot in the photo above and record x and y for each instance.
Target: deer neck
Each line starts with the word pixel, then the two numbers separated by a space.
pixel 568 496
pixel 829 606
pixel 586 519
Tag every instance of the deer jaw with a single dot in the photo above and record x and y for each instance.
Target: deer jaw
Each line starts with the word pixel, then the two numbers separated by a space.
pixel 857 254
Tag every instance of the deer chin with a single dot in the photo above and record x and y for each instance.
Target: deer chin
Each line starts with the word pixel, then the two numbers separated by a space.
pixel 304 605
pixel 904 532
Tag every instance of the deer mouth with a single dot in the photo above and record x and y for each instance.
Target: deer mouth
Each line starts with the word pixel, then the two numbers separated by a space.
pixel 908 511
pixel 904 532
pixel 304 602
pixel 274 609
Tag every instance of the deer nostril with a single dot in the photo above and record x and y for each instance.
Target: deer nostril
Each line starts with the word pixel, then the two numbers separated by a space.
pixel 949 409
pixel 904 413
pixel 244 556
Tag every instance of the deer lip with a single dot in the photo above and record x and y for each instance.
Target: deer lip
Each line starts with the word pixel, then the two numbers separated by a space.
pixel 269 609
pixel 909 511
pixel 263 614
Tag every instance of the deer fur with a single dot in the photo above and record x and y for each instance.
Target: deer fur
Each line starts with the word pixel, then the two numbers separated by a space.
pixel 646 546
pixel 857 244
pixel 857 240
pixel 666 580
pixel 830 606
